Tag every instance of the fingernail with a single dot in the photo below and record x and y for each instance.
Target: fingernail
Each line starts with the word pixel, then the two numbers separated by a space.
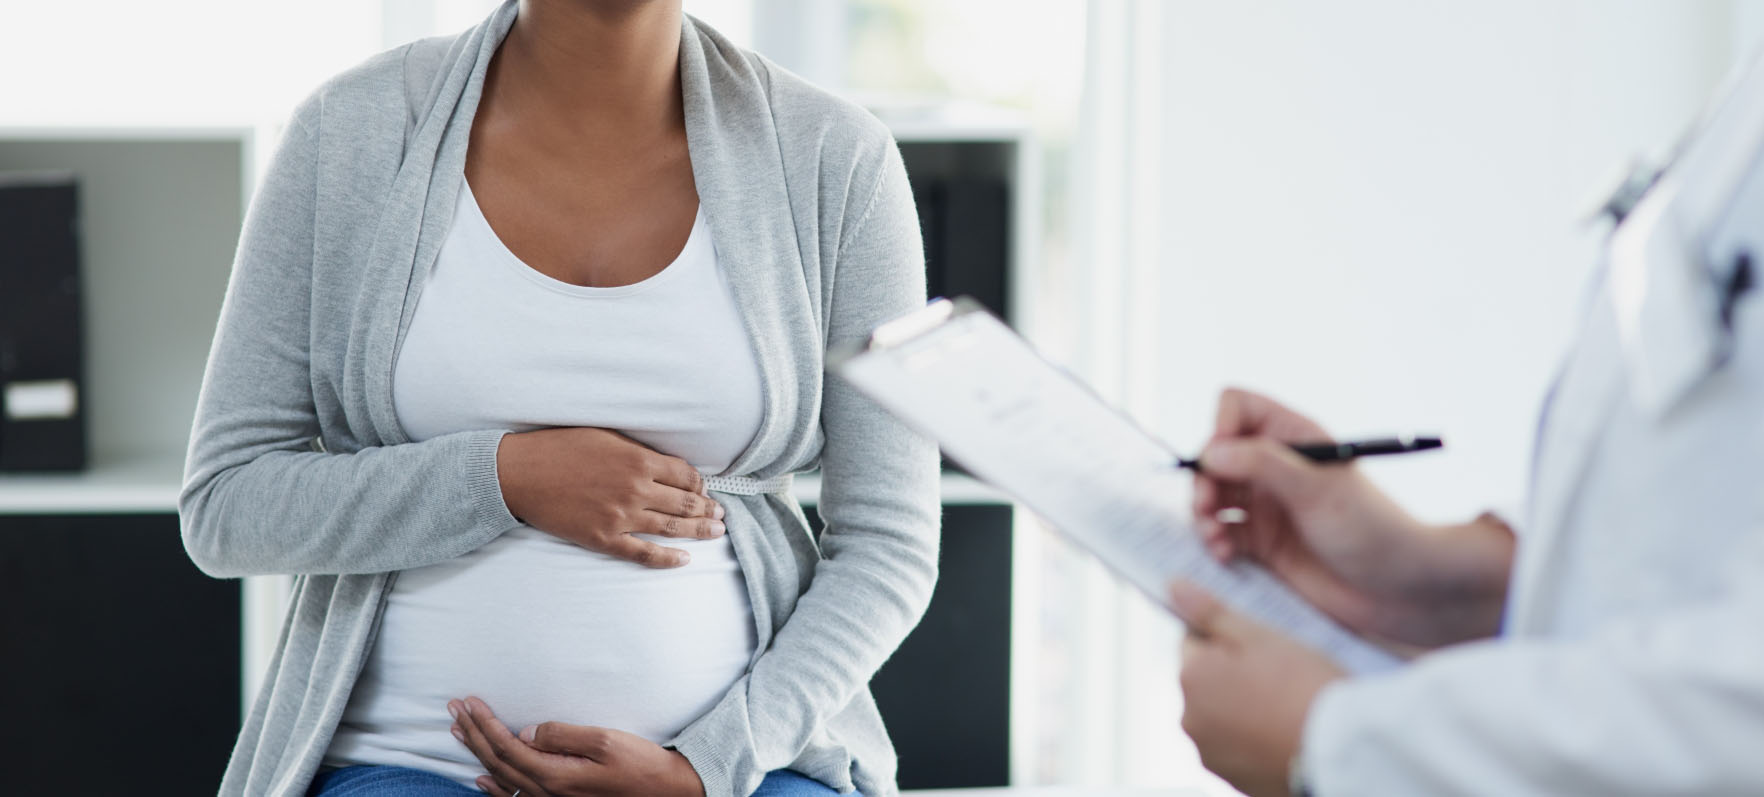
pixel 453 708
pixel 458 734
pixel 682 559
pixel 718 528
pixel 1232 515
pixel 484 784
pixel 529 732
pixel 1219 456
pixel 717 511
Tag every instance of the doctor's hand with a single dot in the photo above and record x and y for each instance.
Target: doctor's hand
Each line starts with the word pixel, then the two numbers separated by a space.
pixel 556 759
pixel 1337 539
pixel 1246 690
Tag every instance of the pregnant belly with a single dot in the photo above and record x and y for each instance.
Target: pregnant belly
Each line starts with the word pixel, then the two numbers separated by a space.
pixel 544 630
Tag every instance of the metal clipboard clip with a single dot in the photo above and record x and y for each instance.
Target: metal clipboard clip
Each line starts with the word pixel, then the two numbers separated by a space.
pixel 906 328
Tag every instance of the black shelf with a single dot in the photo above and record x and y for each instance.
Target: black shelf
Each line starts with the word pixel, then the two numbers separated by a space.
pixel 121 658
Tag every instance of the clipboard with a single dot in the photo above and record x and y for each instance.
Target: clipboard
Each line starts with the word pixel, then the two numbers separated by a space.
pixel 957 374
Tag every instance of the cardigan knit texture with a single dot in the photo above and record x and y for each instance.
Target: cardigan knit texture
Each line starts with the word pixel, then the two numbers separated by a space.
pixel 298 464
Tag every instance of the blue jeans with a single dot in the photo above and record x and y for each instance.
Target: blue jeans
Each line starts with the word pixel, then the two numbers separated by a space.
pixel 406 782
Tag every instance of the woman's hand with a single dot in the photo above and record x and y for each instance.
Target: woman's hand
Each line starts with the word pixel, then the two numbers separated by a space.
pixel 1338 540
pixel 1246 691
pixel 597 488
pixel 555 759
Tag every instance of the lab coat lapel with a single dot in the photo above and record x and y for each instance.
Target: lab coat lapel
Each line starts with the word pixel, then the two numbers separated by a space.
pixel 1665 305
pixel 1648 339
pixel 1669 265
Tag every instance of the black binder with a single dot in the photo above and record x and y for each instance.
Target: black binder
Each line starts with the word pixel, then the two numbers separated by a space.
pixel 976 242
pixel 42 401
pixel 965 222
pixel 965 225
pixel 928 197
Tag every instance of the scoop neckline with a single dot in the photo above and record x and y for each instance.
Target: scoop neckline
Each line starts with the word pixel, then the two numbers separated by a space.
pixel 508 258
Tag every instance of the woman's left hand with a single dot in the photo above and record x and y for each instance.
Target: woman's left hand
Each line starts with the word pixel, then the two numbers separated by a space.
pixel 555 759
pixel 1246 690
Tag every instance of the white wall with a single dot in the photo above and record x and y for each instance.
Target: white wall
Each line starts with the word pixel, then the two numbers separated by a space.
pixel 404 20
pixel 214 62
pixel 173 62
pixel 1375 207
pixel 1371 208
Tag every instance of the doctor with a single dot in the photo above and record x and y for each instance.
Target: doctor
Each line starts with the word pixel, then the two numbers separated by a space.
pixel 1617 647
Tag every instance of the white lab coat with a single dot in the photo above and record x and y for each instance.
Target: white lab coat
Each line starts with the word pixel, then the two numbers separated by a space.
pixel 1632 661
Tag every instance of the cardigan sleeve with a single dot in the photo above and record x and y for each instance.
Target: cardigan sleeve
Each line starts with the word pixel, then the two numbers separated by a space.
pixel 879 498
pixel 256 498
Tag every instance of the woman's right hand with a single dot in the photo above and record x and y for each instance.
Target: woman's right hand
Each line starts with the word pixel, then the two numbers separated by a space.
pixel 1337 539
pixel 599 489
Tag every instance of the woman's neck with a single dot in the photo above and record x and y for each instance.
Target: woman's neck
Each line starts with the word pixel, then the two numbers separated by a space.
pixel 602 63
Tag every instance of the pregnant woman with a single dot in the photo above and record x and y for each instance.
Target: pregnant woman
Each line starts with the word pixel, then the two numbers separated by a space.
pixel 524 340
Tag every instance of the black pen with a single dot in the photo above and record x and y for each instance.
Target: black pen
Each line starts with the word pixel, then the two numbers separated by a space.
pixel 1349 451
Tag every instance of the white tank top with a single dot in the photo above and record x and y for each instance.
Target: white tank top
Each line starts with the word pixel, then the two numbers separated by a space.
pixel 539 628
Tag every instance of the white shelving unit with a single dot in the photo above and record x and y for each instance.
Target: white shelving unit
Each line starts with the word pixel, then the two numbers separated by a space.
pixel 159 215
pixel 160 211
pixel 143 485
pixel 955 139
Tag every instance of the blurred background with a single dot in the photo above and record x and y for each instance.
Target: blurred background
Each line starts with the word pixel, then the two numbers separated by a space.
pixel 1378 210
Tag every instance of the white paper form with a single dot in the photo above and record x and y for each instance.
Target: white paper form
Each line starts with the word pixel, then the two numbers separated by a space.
pixel 1016 421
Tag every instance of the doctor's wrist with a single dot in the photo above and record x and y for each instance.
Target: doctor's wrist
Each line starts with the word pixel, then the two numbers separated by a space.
pixel 1463 579
pixel 1473 561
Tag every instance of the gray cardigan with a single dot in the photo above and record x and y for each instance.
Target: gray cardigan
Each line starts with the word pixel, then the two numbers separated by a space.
pixel 297 462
